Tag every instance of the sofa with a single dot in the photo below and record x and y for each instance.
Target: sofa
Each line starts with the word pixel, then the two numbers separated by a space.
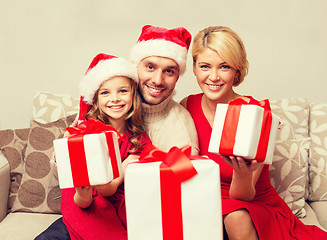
pixel 30 196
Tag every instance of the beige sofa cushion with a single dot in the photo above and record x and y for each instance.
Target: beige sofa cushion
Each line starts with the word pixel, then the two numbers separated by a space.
pixel 288 172
pixel 50 107
pixel 318 153
pixel 12 145
pixel 294 115
pixel 39 190
pixel 25 226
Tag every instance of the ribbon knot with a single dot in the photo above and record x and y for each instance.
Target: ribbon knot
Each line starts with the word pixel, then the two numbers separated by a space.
pixel 240 101
pixel 92 125
pixel 177 160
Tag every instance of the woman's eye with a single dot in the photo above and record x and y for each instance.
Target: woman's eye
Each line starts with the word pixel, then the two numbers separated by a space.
pixel 123 91
pixel 204 67
pixel 225 67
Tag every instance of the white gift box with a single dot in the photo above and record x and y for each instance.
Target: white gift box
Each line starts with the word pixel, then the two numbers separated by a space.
pixel 87 160
pixel 251 123
pixel 200 203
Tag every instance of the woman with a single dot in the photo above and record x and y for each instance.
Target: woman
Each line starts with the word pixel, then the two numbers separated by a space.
pixel 251 207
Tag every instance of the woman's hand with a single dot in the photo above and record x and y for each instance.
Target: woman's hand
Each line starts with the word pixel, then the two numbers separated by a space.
pixel 240 165
pixel 245 177
pixel 83 196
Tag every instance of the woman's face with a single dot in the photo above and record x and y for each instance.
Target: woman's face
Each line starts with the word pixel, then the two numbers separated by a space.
pixel 215 77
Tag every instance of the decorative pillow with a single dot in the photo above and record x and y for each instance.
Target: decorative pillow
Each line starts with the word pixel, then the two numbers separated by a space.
pixel 294 113
pixel 39 190
pixel 12 145
pixel 318 152
pixel 288 173
pixel 49 107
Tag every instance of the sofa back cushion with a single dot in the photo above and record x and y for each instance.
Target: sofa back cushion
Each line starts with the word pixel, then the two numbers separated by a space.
pixel 294 116
pixel 13 144
pixel 289 170
pixel 50 107
pixel 318 152
pixel 39 190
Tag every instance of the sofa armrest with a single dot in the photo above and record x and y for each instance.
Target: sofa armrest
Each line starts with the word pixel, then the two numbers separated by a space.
pixel 4 185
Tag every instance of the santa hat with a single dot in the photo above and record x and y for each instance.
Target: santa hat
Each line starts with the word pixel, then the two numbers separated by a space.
pixel 162 42
pixel 102 68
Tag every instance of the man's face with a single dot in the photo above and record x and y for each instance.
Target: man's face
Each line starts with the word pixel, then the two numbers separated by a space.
pixel 157 78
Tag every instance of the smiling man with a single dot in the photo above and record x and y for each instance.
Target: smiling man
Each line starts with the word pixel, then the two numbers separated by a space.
pixel 160 55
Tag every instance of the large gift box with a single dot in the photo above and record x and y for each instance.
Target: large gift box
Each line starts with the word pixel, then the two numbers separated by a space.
pixel 169 197
pixel 246 130
pixel 90 156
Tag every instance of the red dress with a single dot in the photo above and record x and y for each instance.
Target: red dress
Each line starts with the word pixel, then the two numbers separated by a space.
pixel 272 217
pixel 106 217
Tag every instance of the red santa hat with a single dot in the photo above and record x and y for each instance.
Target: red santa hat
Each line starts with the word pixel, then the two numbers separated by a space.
pixel 162 42
pixel 102 68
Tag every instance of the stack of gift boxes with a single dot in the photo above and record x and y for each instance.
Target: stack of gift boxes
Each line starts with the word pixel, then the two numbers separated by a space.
pixel 170 195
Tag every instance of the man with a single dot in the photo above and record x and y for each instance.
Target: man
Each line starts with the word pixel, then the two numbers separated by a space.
pixel 160 55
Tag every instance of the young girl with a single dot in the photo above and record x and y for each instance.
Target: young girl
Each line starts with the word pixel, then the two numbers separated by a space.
pixel 108 93
pixel 251 207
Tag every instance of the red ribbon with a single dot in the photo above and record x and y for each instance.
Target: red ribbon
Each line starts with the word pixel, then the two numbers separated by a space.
pixel 230 126
pixel 77 151
pixel 175 168
pixel 92 125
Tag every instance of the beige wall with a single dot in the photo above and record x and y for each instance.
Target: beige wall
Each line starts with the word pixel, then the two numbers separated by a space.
pixel 47 45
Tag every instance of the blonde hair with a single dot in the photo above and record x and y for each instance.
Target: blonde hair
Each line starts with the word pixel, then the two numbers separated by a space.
pixel 133 118
pixel 227 44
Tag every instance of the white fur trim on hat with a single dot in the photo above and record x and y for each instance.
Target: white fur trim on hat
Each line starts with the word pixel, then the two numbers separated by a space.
pixel 104 70
pixel 160 48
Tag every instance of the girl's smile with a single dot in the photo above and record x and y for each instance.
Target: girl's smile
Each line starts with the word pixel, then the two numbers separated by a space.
pixel 115 99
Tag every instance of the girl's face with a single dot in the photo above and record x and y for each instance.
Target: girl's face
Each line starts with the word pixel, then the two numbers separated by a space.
pixel 115 98
pixel 215 77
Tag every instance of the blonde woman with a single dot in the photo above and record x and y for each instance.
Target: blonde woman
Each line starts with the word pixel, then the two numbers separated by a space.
pixel 251 207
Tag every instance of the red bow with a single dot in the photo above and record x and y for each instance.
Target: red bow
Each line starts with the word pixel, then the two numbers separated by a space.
pixel 92 125
pixel 177 160
pixel 240 101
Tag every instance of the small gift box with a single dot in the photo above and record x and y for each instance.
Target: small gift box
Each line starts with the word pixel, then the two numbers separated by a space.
pixel 246 130
pixel 90 156
pixel 168 197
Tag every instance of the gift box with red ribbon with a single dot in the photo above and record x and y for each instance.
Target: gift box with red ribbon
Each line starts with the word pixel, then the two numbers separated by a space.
pixel 173 196
pixel 246 130
pixel 88 157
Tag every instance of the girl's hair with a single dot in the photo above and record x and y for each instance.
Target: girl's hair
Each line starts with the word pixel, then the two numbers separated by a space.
pixel 227 44
pixel 133 118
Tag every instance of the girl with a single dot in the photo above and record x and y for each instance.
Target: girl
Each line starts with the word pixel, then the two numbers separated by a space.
pixel 108 93
pixel 251 207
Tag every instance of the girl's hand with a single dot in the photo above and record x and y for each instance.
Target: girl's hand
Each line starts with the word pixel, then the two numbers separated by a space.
pixel 109 188
pixel 83 196
pixel 74 124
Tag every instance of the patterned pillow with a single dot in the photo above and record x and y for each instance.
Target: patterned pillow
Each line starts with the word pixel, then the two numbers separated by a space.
pixel 49 107
pixel 288 173
pixel 294 115
pixel 13 144
pixel 318 152
pixel 39 190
